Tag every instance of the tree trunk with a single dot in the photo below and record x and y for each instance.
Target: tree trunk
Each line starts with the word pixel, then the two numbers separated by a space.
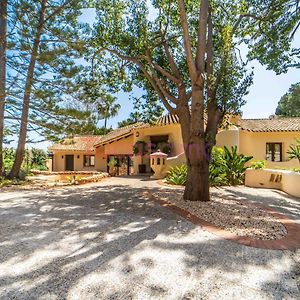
pixel 15 171
pixel 197 185
pixel 3 29
pixel 105 122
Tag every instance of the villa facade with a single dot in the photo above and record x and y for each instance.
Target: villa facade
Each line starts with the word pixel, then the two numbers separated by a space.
pixel 264 139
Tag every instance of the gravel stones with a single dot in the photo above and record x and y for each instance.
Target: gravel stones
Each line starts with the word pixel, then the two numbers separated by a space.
pixel 231 213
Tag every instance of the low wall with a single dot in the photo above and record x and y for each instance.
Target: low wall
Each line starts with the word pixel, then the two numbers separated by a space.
pixel 176 160
pixel 287 181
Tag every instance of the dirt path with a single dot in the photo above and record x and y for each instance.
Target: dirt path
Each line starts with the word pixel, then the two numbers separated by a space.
pixel 108 241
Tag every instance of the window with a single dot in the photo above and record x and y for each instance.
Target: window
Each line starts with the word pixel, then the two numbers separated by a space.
pixel 89 160
pixel 274 151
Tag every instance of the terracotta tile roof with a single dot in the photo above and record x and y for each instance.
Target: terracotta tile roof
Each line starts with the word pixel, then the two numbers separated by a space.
pixel 167 120
pixel 255 125
pixel 117 134
pixel 76 143
pixel 271 125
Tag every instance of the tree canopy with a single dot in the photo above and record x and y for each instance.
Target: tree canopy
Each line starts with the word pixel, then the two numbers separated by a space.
pixel 289 104
pixel 188 53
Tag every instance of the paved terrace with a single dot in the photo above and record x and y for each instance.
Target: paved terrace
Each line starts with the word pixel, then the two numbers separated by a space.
pixel 107 241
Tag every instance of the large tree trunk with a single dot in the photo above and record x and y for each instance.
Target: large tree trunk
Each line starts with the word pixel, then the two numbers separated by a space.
pixel 15 171
pixel 197 185
pixel 192 129
pixel 3 29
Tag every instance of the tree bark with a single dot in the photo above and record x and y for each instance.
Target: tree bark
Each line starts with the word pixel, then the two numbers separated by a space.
pixel 3 32
pixel 15 171
pixel 197 185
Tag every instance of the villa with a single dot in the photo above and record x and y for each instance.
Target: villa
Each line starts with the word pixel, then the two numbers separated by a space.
pixel 264 139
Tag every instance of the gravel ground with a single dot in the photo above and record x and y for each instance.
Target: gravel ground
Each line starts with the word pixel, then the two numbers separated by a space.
pixel 107 241
pixel 229 212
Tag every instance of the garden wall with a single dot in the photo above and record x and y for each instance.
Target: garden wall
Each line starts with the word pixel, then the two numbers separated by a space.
pixel 287 181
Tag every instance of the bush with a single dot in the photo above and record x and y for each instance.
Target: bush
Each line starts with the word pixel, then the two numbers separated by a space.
pixel 294 151
pixel 235 165
pixel 217 167
pixel 258 164
pixel 226 167
pixel 164 148
pixel 177 175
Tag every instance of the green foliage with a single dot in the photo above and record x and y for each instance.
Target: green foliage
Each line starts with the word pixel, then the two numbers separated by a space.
pixel 8 182
pixel 270 37
pixel 289 104
pixel 164 147
pixel 33 159
pixel 62 43
pixel 8 159
pixel 217 168
pixel 235 165
pixel 177 175
pixel 296 170
pixel 258 164
pixel 38 159
pixel 112 163
pixel 294 151
pixel 226 167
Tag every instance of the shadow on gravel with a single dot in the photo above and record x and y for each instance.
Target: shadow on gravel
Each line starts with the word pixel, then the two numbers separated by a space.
pixel 288 205
pixel 54 243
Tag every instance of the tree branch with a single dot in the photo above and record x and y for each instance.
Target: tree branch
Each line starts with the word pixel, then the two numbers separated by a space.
pixel 172 63
pixel 57 10
pixel 202 31
pixel 187 41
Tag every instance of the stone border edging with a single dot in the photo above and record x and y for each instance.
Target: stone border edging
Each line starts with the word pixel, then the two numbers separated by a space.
pixel 290 242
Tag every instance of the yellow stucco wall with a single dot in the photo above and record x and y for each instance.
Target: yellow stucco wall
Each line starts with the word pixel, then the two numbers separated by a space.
pixel 121 147
pixel 144 134
pixel 100 159
pixel 59 163
pixel 287 181
pixel 228 138
pixel 254 144
pixel 249 143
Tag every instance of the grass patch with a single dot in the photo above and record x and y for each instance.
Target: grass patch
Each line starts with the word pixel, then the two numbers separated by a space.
pixel 8 182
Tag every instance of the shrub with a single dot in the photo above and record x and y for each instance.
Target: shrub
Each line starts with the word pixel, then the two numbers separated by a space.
pixel 258 164
pixel 235 165
pixel 226 167
pixel 294 151
pixel 217 167
pixel 164 147
pixel 177 175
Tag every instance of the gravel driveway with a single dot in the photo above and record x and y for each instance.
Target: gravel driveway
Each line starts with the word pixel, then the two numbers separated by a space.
pixel 107 241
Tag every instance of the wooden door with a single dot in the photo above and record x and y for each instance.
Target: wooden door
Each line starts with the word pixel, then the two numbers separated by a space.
pixel 69 162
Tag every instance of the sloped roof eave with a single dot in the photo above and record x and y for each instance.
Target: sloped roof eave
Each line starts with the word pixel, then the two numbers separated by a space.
pixel 99 144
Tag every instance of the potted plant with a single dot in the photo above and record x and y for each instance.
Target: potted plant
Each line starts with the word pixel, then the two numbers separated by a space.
pixel 164 147
pixel 112 164
pixel 140 148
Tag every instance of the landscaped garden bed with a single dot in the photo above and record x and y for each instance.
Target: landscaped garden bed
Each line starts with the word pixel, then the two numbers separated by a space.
pixel 48 180
pixel 228 212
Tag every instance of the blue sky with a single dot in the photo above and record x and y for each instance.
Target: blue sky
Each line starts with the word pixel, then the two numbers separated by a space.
pixel 262 100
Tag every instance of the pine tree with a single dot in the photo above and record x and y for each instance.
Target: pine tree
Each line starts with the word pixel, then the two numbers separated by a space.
pixel 45 44
pixel 3 39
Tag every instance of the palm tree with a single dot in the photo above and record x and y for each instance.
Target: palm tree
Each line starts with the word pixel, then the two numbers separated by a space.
pixel 108 108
